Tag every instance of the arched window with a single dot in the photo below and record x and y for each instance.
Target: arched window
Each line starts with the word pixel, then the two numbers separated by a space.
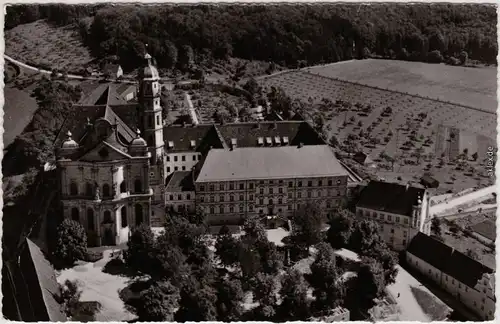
pixel 123 187
pixel 124 217
pixel 75 214
pixel 90 219
pixel 138 215
pixel 73 189
pixel 89 191
pixel 107 217
pixel 137 185
pixel 106 190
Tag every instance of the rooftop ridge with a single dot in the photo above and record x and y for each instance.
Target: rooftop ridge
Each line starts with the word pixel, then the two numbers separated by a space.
pixel 221 138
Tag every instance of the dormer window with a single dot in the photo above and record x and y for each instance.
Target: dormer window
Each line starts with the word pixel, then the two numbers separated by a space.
pixel 269 141
pixel 233 143
pixel 193 143
pixel 260 140
pixel 285 140
pixel 277 140
pixel 170 144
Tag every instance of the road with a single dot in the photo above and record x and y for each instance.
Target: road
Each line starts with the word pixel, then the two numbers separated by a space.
pixel 476 196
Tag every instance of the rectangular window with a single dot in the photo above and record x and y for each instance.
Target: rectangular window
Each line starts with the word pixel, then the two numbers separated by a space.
pixel 231 198
pixel 168 169
pixel 194 157
pixel 270 190
pixel 392 230
pixel 290 184
pixel 158 120
pixel 242 186
pixel 183 158
pixel 320 183
pixel 250 197
pixel 309 183
pixel 212 198
pixel 397 219
pixel 261 201
pixel 261 191
pixel 250 185
pixel 300 183
pixel 231 209
pixel 290 195
pixel 389 217
pixel 168 158
pixel 179 197
pixel 175 158
pixel 176 168
pixel 171 197
pixel 280 190
pixel 280 201
pixel 406 221
pixel 221 198
pixel 309 194
pixel 241 198
pixel 183 168
pixel 241 208
pixel 231 186
pixel 221 187
pixel 202 198
pixel 271 182
pixel 188 197
pixel 212 188
pixel 250 208
pixel 330 183
pixel 202 188
pixel 299 194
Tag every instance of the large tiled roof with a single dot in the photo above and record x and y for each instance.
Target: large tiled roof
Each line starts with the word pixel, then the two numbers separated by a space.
pixel 270 162
pixel 104 94
pixel 487 229
pixel 247 134
pixel 390 197
pixel 180 181
pixel 204 137
pixel 47 284
pixel 448 260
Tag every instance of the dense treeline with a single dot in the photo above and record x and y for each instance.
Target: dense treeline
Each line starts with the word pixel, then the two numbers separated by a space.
pixel 291 35
pixel 58 14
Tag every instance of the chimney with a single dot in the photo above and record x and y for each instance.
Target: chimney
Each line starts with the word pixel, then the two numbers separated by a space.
pixel 233 143
pixel 407 186
pixel 301 144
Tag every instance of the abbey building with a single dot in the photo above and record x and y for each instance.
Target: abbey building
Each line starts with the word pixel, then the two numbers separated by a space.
pixel 119 166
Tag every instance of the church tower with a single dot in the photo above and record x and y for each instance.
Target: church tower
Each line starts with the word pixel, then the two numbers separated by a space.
pixel 150 108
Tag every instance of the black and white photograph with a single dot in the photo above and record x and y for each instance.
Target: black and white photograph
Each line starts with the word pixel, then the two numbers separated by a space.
pixel 263 162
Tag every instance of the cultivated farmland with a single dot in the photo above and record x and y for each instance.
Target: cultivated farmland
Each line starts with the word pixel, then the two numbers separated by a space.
pixel 385 124
pixel 475 87
pixel 44 45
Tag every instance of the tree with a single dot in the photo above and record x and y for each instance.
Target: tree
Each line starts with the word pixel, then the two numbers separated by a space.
pixel 436 227
pixel 229 299
pixel 340 230
pixel 197 303
pixel 474 156
pixel 388 260
pixel 186 61
pixel 70 296
pixel 333 141
pixel 252 86
pixel 364 237
pixel 71 243
pixel 294 300
pixel 463 57
pixel 151 301
pixel 263 287
pixel 227 248
pixel 324 279
pixel 280 102
pixel 171 55
pixel 307 224
pixel 435 57
pixel 140 247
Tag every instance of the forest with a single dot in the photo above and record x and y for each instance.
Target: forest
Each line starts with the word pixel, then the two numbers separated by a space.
pixel 291 35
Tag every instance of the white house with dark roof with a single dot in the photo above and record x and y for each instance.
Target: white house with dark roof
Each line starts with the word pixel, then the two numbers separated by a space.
pixel 179 192
pixel 272 182
pixel 401 211
pixel 466 279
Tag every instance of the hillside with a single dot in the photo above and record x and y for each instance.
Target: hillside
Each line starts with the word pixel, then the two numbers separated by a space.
pixel 475 87
pixel 18 110
pixel 44 45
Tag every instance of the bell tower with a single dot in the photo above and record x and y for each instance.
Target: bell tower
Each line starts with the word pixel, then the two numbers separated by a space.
pixel 150 108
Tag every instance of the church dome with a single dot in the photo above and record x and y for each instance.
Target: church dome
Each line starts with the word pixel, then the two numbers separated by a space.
pixel 69 142
pixel 138 141
pixel 148 70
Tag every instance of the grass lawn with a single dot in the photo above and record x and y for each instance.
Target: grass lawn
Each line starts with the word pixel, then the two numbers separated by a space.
pixel 435 310
pixel 469 86
pixel 41 43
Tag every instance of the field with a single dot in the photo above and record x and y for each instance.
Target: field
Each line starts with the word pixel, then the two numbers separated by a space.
pixel 475 87
pixel 18 110
pixel 410 129
pixel 43 45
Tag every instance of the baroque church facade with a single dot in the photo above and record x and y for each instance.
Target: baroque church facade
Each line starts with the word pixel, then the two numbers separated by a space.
pixel 109 161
